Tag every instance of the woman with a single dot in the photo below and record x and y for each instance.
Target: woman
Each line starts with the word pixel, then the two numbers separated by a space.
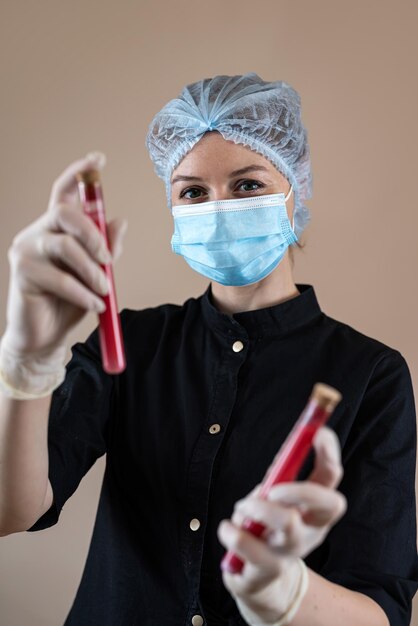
pixel 210 392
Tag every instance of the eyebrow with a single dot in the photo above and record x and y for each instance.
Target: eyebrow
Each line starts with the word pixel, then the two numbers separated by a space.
pixel 243 170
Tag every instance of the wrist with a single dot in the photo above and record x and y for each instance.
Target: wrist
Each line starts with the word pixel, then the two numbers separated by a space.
pixel 279 602
pixel 28 375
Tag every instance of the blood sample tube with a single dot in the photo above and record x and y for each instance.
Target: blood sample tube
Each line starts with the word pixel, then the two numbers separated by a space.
pixel 290 457
pixel 110 331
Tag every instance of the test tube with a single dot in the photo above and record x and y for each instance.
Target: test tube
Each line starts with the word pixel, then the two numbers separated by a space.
pixel 290 458
pixel 110 331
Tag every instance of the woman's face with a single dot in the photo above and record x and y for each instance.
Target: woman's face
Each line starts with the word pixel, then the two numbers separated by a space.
pixel 209 172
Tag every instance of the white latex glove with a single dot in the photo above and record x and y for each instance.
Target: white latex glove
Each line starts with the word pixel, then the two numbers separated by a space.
pixel 55 278
pixel 298 516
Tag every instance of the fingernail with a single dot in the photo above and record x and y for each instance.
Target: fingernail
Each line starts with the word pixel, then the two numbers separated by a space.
pixel 104 285
pixel 99 306
pixel 104 256
pixel 224 528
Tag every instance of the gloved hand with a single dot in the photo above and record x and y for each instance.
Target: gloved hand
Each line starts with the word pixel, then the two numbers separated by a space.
pixel 297 516
pixel 55 278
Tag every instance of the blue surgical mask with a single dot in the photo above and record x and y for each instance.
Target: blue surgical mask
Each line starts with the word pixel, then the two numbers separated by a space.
pixel 233 242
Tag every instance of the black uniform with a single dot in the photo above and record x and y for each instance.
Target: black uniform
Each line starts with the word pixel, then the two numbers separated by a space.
pixel 191 427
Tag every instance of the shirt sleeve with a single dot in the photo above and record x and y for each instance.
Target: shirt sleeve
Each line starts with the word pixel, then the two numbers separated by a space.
pixel 80 411
pixel 373 548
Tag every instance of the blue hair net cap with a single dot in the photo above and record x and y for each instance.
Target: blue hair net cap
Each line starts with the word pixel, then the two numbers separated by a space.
pixel 265 116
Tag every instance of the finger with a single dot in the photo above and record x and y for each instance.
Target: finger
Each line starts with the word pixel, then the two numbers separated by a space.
pixel 65 249
pixel 250 549
pixel 256 490
pixel 284 522
pixel 58 283
pixel 318 505
pixel 63 218
pixel 328 470
pixel 66 183
pixel 253 493
pixel 116 232
pixel 269 513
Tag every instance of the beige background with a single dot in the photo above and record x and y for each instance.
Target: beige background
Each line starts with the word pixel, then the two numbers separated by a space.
pixel 90 74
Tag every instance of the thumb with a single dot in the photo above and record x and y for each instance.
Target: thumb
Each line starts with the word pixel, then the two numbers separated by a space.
pixel 116 230
pixel 328 470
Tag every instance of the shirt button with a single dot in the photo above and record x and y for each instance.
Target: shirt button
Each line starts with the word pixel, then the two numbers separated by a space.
pixel 214 429
pixel 195 525
pixel 197 620
pixel 237 346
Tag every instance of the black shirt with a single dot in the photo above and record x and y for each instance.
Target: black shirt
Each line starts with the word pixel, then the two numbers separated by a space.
pixel 192 425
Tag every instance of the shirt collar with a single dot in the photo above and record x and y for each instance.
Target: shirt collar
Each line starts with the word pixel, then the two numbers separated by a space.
pixel 278 319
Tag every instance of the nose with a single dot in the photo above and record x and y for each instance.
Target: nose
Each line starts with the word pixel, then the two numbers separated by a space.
pixel 221 196
pixel 220 190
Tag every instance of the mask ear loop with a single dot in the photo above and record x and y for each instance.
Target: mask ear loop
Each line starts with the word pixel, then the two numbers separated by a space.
pixel 286 199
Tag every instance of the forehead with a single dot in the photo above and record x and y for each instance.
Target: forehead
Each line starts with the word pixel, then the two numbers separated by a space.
pixel 214 153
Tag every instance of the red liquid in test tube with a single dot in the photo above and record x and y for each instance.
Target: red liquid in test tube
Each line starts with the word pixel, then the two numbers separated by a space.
pixel 290 457
pixel 110 331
